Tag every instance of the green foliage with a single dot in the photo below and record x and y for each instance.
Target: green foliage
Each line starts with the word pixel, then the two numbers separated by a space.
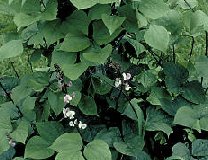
pixel 116 83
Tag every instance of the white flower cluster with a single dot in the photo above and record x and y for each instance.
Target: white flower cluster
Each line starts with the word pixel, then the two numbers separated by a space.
pixel 68 113
pixel 119 82
pixel 12 142
pixel 67 98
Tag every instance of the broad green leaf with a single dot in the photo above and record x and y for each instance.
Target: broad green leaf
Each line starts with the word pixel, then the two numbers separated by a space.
pixel 101 33
pixel 201 64
pixel 80 4
pixel 97 149
pixel 180 150
pixel 171 106
pixel 20 134
pixel 193 92
pixel 27 108
pixel 70 155
pixel 9 83
pixel 130 24
pixel 62 58
pixel 88 105
pixel 139 48
pixel 102 84
pixel 11 49
pixel 172 21
pixel 77 23
pixel 123 148
pixel 50 130
pixel 139 114
pixel 96 11
pixel 157 42
pixel 200 147
pixel 37 148
pixel 30 7
pixel 112 22
pixel 147 79
pixel 156 120
pixel 74 71
pixel 110 135
pixel 193 117
pixel 141 20
pixel 153 9
pixel 198 22
pixel 98 55
pixel 28 104
pixel 23 19
pixel 9 154
pixel 4 142
pixel 156 94
pixel 37 80
pixel 75 43
pixel 75 101
pixel 51 31
pixel 68 142
pixel 50 12
pixel 129 111
pixel 6 111
pixel 67 61
pixel 56 101
pixel 175 76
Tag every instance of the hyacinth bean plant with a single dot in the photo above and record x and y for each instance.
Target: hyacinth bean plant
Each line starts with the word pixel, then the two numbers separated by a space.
pixel 118 84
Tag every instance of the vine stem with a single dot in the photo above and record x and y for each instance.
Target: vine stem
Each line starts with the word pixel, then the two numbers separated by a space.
pixel 189 5
pixel 41 1
pixel 12 64
pixel 192 46
pixel 121 91
pixel 174 55
pixel 10 99
pixel 206 52
pixel 154 55
pixel 6 93
pixel 30 64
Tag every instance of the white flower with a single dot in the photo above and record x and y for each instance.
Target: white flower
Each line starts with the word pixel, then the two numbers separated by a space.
pixel 118 82
pixel 82 125
pixel 75 121
pixel 68 113
pixel 71 123
pixel 67 98
pixel 12 143
pixel 126 76
pixel 127 87
pixel 69 84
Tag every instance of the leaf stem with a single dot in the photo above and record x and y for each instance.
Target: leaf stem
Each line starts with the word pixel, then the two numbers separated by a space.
pixel 189 5
pixel 6 93
pixel 206 52
pixel 12 64
pixel 174 55
pixel 192 46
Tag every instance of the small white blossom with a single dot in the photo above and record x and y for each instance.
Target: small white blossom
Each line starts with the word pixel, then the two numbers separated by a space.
pixel 127 87
pixel 12 143
pixel 82 125
pixel 69 84
pixel 118 82
pixel 126 76
pixel 67 98
pixel 68 113
pixel 75 121
pixel 71 123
